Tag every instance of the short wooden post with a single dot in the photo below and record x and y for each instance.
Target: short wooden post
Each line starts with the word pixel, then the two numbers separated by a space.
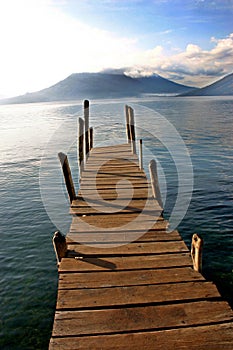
pixel 140 155
pixel 81 145
pixel 155 182
pixel 127 124
pixel 91 137
pixel 60 246
pixel 67 176
pixel 132 129
pixel 196 252
pixel 86 121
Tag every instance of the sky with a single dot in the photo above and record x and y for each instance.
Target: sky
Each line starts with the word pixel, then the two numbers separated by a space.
pixel 44 41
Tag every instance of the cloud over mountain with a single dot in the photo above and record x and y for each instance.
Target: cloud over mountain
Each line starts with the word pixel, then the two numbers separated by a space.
pixel 193 65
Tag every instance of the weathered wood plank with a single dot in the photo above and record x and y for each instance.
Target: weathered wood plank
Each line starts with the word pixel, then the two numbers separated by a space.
pixel 113 194
pixel 79 225
pixel 135 295
pixel 117 169
pixel 135 221
pixel 134 248
pixel 125 263
pixel 211 337
pixel 104 321
pixel 93 200
pixel 118 207
pixel 99 236
pixel 127 278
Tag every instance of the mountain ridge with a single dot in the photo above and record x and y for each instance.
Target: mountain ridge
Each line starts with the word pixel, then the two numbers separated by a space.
pixel 221 87
pixel 100 85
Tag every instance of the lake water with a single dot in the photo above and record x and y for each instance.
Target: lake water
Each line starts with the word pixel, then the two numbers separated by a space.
pixel 31 182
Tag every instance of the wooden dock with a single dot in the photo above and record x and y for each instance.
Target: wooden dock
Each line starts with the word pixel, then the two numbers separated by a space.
pixel 124 281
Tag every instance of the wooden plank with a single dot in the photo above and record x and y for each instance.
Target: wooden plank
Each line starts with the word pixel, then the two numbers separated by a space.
pixel 108 194
pixel 99 236
pixel 210 337
pixel 116 166
pixel 135 295
pixel 136 203
pixel 90 185
pixel 96 223
pixel 125 263
pixel 140 318
pixel 142 192
pixel 111 221
pixel 103 149
pixel 116 169
pixel 79 224
pixel 119 207
pixel 127 278
pixel 110 172
pixel 134 248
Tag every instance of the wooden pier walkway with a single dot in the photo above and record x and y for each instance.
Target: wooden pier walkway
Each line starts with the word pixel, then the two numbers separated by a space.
pixel 125 282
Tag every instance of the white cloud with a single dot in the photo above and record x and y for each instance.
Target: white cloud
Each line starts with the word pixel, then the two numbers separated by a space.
pixel 193 65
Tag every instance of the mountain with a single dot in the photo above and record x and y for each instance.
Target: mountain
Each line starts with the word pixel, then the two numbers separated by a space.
pixel 222 87
pixel 156 84
pixel 100 85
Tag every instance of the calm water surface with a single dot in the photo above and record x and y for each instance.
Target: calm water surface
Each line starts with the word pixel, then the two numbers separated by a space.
pixel 30 137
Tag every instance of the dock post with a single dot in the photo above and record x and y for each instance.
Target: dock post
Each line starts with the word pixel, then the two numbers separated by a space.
pixel 81 146
pixel 155 182
pixel 140 155
pixel 60 246
pixel 132 129
pixel 86 122
pixel 91 137
pixel 127 123
pixel 67 176
pixel 196 252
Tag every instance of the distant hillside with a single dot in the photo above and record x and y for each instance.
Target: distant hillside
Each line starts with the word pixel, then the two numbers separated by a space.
pixel 101 85
pixel 222 87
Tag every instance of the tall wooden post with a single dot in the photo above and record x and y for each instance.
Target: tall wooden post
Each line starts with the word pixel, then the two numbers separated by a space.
pixel 81 145
pixel 91 137
pixel 67 176
pixel 140 155
pixel 132 129
pixel 127 124
pixel 155 182
pixel 86 121
pixel 196 252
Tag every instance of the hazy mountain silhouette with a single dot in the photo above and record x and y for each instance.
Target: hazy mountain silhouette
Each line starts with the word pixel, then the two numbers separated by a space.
pixel 222 87
pixel 101 85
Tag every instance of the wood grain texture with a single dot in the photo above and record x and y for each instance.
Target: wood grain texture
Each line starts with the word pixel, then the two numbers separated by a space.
pixel 125 263
pixel 127 319
pixel 211 337
pixel 127 278
pixel 134 295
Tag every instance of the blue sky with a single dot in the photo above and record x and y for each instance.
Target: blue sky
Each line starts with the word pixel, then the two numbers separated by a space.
pixel 43 41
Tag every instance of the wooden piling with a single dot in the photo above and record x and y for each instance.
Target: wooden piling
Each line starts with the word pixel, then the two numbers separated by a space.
pixel 67 176
pixel 155 182
pixel 60 246
pixel 140 155
pixel 81 145
pixel 86 122
pixel 127 124
pixel 91 137
pixel 196 252
pixel 132 129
